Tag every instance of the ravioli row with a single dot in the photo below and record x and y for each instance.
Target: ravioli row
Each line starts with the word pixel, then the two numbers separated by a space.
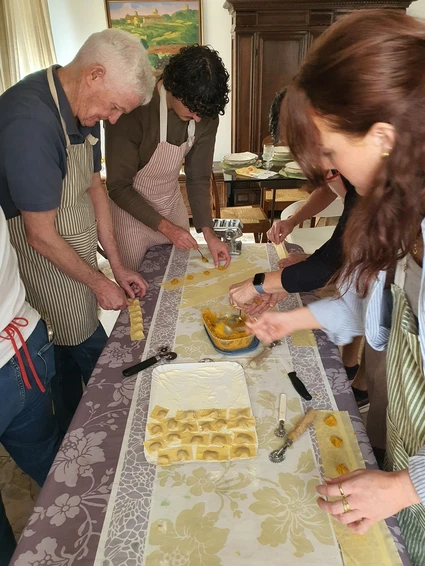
pixel 204 434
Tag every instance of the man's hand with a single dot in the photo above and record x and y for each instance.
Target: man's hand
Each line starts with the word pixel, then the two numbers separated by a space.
pixel 280 230
pixel 132 283
pixel 109 296
pixel 177 235
pixel 219 249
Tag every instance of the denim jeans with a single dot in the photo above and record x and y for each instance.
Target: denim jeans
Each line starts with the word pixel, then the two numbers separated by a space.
pixel 28 427
pixel 74 364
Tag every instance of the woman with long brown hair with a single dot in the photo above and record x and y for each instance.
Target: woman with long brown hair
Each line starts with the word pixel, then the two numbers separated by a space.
pixel 358 105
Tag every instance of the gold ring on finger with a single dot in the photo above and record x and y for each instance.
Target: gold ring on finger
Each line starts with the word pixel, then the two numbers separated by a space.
pixel 341 491
pixel 346 505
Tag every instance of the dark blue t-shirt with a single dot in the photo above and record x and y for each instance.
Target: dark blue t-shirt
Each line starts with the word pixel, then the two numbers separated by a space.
pixel 33 147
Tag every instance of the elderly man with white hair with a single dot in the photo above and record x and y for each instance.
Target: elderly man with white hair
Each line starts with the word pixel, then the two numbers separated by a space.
pixel 54 201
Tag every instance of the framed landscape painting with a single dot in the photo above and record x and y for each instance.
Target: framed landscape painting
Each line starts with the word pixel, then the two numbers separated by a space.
pixel 162 27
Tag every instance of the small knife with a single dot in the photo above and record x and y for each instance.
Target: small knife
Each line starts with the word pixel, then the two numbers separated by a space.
pixel 256 361
pixel 297 384
pixel 148 363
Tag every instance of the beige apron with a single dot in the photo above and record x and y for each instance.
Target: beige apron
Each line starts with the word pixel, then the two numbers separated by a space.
pixel 70 305
pixel 158 183
pixel 406 408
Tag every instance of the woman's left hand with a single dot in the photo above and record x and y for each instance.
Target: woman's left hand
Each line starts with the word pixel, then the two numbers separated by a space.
pixel 372 495
pixel 132 283
pixel 219 251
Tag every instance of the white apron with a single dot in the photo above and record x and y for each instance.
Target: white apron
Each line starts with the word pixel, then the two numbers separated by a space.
pixel 70 306
pixel 158 183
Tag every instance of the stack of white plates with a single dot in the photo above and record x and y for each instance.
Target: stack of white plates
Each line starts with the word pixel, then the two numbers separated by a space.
pixel 292 169
pixel 235 160
pixel 281 154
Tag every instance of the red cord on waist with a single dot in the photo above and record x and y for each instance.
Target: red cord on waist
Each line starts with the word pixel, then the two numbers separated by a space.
pixel 9 334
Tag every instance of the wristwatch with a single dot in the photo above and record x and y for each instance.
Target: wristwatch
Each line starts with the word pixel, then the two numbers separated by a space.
pixel 258 282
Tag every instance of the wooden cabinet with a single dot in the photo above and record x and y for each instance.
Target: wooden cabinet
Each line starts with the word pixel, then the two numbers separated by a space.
pixel 270 39
pixel 221 187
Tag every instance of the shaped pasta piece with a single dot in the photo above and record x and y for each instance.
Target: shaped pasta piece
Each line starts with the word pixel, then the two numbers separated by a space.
pixel 243 451
pixel 220 424
pixel 207 426
pixel 236 413
pixel 136 320
pixel 212 453
pixel 242 423
pixel 172 437
pixel 170 456
pixel 155 429
pixel 212 413
pixel 159 413
pixel 245 437
pixel 187 415
pixel 330 420
pixel 189 426
pixel 196 438
pixel 221 439
pixel 336 441
pixel 164 459
pixel 172 424
pixel 155 445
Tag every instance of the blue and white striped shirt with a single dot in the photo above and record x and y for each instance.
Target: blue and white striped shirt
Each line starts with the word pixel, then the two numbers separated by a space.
pixel 348 316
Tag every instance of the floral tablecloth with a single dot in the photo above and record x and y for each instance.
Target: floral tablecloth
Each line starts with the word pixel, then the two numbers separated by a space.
pixel 70 512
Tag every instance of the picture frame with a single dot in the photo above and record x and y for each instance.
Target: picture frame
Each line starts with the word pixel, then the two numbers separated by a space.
pixel 164 27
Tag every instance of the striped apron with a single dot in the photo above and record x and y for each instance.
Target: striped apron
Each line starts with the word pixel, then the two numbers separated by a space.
pixel 69 305
pixel 158 183
pixel 406 408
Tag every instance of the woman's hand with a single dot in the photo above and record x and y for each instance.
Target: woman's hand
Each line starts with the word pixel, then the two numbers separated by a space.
pixel 292 259
pixel 242 294
pixel 280 230
pixel 372 495
pixel 272 326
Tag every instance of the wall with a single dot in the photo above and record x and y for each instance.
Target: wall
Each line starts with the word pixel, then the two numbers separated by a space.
pixel 74 20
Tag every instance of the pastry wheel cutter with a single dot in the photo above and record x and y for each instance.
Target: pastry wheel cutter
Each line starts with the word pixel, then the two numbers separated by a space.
pixel 163 353
pixel 279 455
pixel 280 430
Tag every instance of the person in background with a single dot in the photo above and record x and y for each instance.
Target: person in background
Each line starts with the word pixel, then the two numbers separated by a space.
pixel 28 428
pixel 300 272
pixel 54 201
pixel 374 135
pixel 145 151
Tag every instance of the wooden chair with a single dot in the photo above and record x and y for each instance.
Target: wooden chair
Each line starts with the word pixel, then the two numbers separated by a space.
pixel 284 197
pixel 254 219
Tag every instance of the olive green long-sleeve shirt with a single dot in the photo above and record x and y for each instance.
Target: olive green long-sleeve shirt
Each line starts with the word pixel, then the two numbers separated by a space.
pixel 131 142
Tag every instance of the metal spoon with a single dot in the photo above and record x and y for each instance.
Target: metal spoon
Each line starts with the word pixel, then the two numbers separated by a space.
pixel 204 259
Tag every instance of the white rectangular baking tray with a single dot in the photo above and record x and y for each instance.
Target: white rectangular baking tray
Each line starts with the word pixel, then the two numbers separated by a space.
pixel 218 385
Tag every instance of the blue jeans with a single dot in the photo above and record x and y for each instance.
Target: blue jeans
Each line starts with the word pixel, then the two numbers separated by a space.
pixel 28 427
pixel 74 364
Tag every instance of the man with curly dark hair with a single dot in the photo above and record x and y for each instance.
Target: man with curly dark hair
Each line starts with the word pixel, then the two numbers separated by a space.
pixel 145 150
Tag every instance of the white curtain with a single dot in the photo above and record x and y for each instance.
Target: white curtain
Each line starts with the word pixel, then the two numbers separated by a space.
pixel 26 42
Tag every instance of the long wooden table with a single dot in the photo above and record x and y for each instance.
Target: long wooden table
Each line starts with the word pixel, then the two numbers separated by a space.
pixel 68 524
